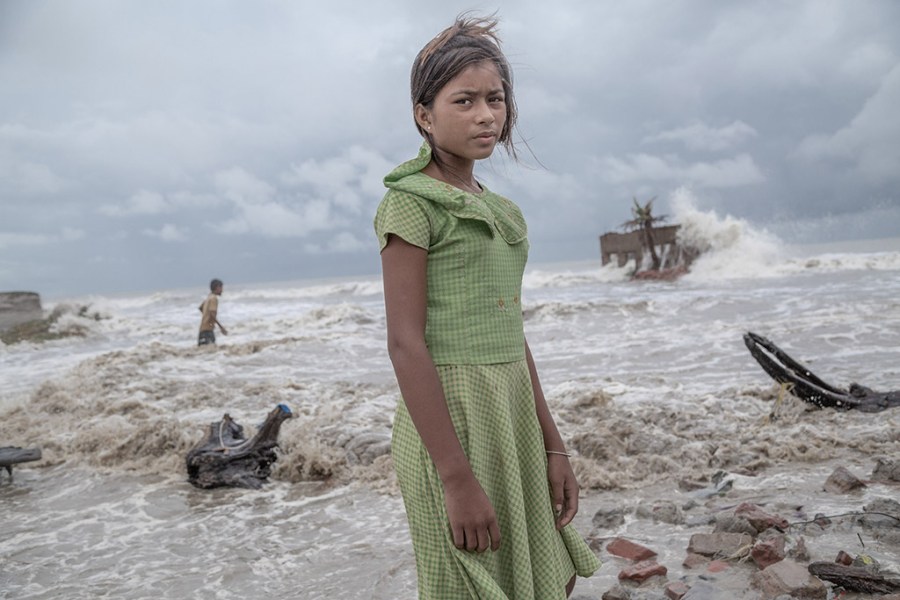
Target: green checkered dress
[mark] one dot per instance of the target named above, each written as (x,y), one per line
(477,249)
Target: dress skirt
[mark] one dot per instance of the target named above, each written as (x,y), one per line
(493,412)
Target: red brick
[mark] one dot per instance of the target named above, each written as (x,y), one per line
(642,571)
(717,566)
(768,552)
(718,544)
(630,550)
(692,560)
(844,558)
(758,518)
(790,578)
(676,590)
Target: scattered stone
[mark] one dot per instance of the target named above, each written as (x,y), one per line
(748,531)
(768,551)
(676,590)
(617,592)
(630,550)
(718,544)
(760,519)
(886,470)
(663,511)
(643,571)
(717,566)
(726,523)
(692,560)
(700,520)
(595,543)
(788,577)
(609,517)
(881,513)
(842,481)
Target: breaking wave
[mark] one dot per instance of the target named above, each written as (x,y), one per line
(732,248)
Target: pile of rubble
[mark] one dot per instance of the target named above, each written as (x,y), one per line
(770,553)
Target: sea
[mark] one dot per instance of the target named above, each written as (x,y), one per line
(651,384)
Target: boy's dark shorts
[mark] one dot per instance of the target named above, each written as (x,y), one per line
(206,337)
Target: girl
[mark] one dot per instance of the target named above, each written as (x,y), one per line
(474,444)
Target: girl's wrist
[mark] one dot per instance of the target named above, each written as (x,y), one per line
(558,453)
(454,471)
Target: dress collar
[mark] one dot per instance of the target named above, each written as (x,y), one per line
(501,214)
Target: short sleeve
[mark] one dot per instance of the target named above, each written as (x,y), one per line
(403,215)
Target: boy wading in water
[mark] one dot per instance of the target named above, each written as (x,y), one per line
(474,444)
(208,321)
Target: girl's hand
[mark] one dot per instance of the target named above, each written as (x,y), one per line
(563,489)
(472,518)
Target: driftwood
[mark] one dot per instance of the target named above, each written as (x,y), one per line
(854,579)
(805,385)
(226,458)
(13,455)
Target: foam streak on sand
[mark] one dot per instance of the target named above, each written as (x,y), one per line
(650,381)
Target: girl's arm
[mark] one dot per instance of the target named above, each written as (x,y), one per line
(563,485)
(472,519)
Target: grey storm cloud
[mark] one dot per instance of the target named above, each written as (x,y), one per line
(146,145)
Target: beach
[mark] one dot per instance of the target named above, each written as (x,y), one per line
(650,382)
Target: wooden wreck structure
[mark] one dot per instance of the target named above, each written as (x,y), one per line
(630,246)
(666,257)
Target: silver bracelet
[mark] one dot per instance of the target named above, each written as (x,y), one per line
(558,452)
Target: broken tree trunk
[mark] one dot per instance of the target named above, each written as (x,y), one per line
(226,458)
(13,455)
(854,579)
(805,385)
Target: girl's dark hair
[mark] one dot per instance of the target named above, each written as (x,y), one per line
(468,41)
(214,284)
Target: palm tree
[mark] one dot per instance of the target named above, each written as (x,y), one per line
(643,220)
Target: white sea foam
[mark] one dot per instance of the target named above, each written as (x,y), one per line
(731,248)
(586,274)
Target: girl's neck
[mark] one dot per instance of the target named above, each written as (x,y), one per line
(458,176)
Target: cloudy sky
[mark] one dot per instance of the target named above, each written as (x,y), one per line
(154,145)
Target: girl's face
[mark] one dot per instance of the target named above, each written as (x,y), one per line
(467,115)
